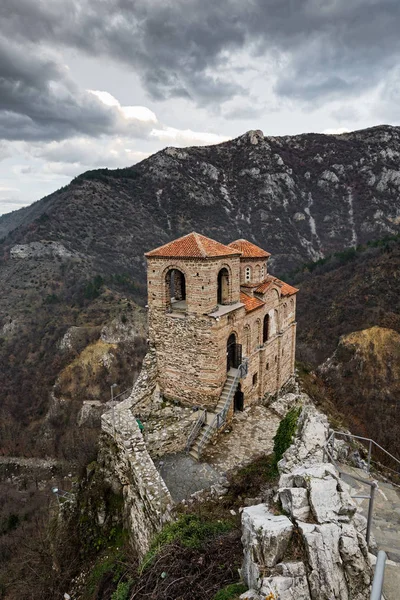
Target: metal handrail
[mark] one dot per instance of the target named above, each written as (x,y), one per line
(195,429)
(377,584)
(359,437)
(115,398)
(372,484)
(220,417)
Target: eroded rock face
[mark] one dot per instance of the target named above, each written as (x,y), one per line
(289,583)
(326,529)
(308,446)
(265,539)
(283,403)
(338,558)
(295,502)
(40,250)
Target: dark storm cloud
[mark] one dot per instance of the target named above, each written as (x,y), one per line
(320,48)
(39,101)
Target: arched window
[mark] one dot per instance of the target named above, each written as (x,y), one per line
(257,273)
(266,328)
(285,311)
(176,290)
(247,274)
(223,287)
(291,305)
(262,272)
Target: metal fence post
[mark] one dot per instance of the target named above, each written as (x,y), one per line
(377,585)
(369,456)
(370,510)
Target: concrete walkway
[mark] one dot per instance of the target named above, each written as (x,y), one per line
(385,524)
(250,435)
(183,475)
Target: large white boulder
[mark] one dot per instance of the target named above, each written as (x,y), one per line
(318,491)
(265,538)
(326,577)
(290,583)
(338,559)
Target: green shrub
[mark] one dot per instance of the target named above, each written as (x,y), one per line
(189,530)
(51,299)
(122,591)
(284,435)
(230,592)
(93,288)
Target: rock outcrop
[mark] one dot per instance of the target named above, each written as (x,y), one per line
(322,528)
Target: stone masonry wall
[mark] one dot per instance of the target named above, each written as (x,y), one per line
(201,278)
(147,501)
(258,268)
(188,358)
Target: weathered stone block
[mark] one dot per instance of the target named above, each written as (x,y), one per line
(265,539)
(295,502)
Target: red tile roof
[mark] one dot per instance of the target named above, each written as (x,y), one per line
(193,245)
(286,289)
(250,303)
(249,250)
(262,288)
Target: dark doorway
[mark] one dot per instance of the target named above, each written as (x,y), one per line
(238,399)
(223,287)
(266,328)
(233,353)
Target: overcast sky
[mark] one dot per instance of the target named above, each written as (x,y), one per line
(105,83)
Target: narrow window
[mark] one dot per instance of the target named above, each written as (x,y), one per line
(267,366)
(255,377)
(262,273)
(247,274)
(223,287)
(266,329)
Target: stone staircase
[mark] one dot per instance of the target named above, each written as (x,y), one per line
(205,430)
(385,522)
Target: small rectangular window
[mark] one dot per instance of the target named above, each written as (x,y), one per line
(255,377)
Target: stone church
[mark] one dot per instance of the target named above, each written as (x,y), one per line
(223,329)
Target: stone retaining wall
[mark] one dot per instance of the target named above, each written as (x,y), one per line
(147,501)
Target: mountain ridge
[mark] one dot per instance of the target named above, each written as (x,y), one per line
(301,197)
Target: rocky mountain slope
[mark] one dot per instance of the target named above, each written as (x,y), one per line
(349,291)
(302,197)
(349,321)
(364,374)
